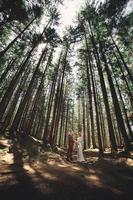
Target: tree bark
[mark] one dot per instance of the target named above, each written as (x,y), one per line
(119,118)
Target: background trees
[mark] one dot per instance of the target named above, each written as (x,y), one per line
(42,96)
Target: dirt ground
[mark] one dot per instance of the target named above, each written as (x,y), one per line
(51,177)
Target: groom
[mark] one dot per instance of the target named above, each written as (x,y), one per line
(70,145)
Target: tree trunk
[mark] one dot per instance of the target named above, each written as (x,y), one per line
(119,118)
(66,122)
(104,91)
(14,102)
(27,95)
(88,125)
(124,63)
(38,95)
(101,154)
(52,93)
(61,125)
(15,39)
(59,91)
(126,82)
(84,126)
(9,66)
(8,94)
(124,110)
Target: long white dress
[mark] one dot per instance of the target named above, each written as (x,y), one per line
(80,156)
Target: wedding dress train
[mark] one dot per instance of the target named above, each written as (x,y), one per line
(80,156)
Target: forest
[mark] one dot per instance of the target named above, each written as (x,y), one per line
(55,80)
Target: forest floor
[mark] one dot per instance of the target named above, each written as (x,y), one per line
(50,177)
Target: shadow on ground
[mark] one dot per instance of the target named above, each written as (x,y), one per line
(64,181)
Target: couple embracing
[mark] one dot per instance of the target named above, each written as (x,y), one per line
(79,144)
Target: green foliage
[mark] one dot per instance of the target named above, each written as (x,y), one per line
(52,37)
(14,10)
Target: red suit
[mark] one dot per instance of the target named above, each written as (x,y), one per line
(70,147)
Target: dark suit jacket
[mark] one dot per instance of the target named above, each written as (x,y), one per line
(70,140)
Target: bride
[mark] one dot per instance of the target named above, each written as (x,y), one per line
(79,141)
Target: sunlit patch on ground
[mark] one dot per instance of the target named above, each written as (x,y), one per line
(92,171)
(127,161)
(49,176)
(76,168)
(51,162)
(95,180)
(29,168)
(7,158)
(62,165)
